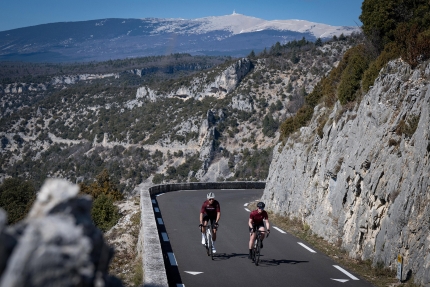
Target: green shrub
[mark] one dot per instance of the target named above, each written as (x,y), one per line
(158,178)
(300,119)
(409,126)
(391,51)
(270,126)
(104,193)
(104,213)
(16,198)
(404,23)
(357,63)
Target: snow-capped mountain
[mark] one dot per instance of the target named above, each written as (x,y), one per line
(238,24)
(105,39)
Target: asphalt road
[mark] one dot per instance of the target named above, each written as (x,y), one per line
(284,261)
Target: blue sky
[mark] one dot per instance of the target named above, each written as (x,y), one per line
(22,13)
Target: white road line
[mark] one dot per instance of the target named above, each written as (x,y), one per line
(247,210)
(246,204)
(160,194)
(340,280)
(165,237)
(156,209)
(311,250)
(172,259)
(160,221)
(346,272)
(280,230)
(193,272)
(153,201)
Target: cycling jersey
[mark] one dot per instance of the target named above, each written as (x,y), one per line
(257,218)
(210,209)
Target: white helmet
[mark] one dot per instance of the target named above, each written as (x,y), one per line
(210,195)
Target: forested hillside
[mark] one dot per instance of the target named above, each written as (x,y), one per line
(75,125)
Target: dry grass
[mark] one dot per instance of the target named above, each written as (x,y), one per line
(126,264)
(377,275)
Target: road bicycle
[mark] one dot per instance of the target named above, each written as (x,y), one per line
(208,240)
(255,253)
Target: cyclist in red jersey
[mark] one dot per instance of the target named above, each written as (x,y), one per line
(210,210)
(256,223)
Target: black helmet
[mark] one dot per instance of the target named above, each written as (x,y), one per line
(261,205)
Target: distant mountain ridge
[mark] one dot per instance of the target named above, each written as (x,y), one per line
(113,38)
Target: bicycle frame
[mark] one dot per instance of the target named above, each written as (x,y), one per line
(208,240)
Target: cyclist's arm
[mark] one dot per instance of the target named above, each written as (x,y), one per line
(201,218)
(218,216)
(250,222)
(267,224)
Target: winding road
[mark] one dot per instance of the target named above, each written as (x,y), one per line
(285,260)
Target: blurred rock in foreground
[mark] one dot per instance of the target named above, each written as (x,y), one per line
(57,244)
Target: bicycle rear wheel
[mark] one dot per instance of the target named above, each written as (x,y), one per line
(257,252)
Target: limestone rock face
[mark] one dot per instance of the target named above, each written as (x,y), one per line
(230,77)
(57,244)
(366,181)
(242,103)
(222,83)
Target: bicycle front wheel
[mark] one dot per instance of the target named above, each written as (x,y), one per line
(257,253)
(210,250)
(207,244)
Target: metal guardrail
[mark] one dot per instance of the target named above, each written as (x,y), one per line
(149,240)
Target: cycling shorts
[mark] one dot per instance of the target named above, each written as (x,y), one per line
(207,218)
(256,226)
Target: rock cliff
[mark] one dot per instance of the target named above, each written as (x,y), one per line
(217,85)
(365,183)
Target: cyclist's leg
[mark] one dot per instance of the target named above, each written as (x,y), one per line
(261,228)
(263,234)
(252,236)
(214,230)
(205,222)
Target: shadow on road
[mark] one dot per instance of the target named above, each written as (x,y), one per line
(275,262)
(225,256)
(263,262)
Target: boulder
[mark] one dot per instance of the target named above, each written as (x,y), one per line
(57,244)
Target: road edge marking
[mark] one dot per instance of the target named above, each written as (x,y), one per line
(172,259)
(279,229)
(345,272)
(308,248)
(165,237)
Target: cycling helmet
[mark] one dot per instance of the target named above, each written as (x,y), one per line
(261,205)
(210,195)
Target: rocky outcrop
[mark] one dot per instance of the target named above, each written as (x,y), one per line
(73,79)
(202,86)
(242,103)
(231,77)
(57,244)
(18,88)
(365,184)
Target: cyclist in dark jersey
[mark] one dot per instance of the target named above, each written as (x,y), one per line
(256,223)
(210,210)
